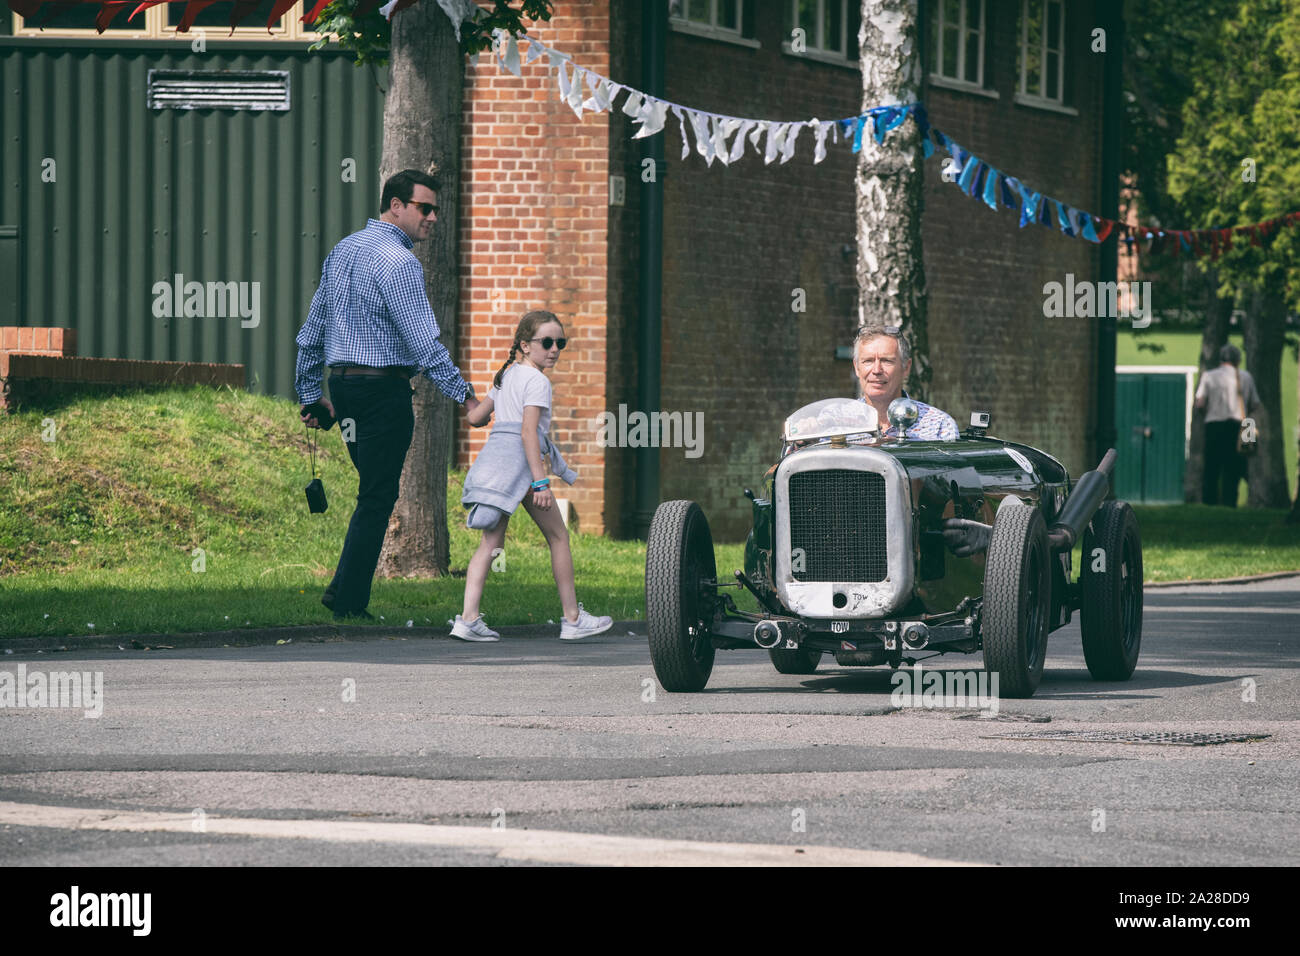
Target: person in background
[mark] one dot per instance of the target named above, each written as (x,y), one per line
(1228,395)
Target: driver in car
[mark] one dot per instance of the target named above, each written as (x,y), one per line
(882,361)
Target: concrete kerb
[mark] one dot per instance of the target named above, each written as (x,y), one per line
(300,634)
(1248,579)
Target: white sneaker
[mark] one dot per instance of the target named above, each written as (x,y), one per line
(585,626)
(474,630)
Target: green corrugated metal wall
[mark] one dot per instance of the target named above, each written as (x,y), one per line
(215,195)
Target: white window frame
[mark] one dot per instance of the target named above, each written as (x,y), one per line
(152,24)
(937,76)
(1040,98)
(713,30)
(816,45)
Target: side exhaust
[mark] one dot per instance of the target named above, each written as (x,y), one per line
(1085,498)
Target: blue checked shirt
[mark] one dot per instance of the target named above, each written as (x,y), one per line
(370,309)
(932,424)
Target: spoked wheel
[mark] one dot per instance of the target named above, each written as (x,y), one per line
(679,593)
(1017,601)
(1111,615)
(798,661)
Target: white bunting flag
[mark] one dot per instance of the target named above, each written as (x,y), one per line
(686,143)
(738,144)
(775,141)
(793,131)
(821,129)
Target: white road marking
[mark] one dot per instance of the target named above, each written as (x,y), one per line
(543,846)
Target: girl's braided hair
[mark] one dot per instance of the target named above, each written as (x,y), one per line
(528,325)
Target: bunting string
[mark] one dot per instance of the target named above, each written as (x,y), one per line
(718,136)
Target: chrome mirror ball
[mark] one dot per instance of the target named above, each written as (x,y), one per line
(903,413)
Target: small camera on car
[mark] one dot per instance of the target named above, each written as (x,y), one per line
(979,419)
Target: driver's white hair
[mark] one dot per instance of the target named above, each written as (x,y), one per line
(868,332)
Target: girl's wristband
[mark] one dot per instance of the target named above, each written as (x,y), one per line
(540,484)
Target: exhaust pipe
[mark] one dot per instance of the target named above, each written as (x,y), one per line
(1085,498)
(767,634)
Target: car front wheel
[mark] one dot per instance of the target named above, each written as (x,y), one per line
(680,579)
(1017,599)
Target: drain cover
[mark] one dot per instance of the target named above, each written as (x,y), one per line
(1130,737)
(1006,718)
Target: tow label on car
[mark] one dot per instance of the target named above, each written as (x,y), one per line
(839,627)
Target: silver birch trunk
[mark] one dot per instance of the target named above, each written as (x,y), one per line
(890,271)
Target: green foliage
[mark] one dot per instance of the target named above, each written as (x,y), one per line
(1242,115)
(369,37)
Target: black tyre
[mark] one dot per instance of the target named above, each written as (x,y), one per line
(1017,599)
(1111,613)
(678,602)
(799,661)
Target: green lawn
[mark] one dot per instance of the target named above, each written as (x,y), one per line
(1184,347)
(101,527)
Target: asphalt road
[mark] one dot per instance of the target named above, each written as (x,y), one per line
(534,751)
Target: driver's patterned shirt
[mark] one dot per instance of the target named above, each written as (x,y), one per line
(933,424)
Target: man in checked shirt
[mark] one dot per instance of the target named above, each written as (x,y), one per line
(882,361)
(370,321)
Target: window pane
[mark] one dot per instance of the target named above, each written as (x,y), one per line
(218,15)
(81,16)
(1053,26)
(855,21)
(698,10)
(831,12)
(952,13)
(951,43)
(1031,49)
(727,14)
(1049,75)
(972,14)
(972,56)
(808,20)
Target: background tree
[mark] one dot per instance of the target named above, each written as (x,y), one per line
(1234,164)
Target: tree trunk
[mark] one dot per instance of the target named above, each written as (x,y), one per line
(890,272)
(1293,516)
(1265,339)
(422,116)
(1214,334)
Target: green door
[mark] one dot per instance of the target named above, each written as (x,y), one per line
(1151,425)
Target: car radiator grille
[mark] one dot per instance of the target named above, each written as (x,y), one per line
(837,526)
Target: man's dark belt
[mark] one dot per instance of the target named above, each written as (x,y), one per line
(396,371)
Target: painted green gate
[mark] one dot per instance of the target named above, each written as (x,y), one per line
(1152,416)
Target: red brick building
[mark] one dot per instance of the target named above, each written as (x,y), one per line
(1017,84)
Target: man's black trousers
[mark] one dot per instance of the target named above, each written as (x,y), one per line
(1224,468)
(379,407)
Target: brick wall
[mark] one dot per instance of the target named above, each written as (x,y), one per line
(534,235)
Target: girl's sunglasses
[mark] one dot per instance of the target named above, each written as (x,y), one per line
(548,342)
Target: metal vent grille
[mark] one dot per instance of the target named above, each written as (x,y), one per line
(1169,738)
(219,90)
(837,522)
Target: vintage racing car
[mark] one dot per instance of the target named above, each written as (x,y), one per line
(875,549)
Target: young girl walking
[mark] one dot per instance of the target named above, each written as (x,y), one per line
(512,468)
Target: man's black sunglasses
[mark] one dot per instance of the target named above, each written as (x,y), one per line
(548,342)
(424,207)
